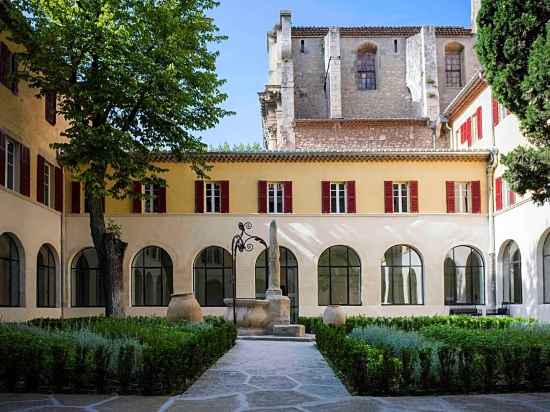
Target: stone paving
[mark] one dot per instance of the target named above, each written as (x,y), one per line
(272,376)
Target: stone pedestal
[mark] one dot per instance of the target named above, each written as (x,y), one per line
(289,330)
(251,313)
(279,307)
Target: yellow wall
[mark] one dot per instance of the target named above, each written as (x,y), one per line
(22,118)
(307,176)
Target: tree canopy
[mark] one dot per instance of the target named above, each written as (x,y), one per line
(513,46)
(132,78)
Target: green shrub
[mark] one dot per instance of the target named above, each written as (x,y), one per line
(128,355)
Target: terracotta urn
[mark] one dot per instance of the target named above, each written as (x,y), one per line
(184,306)
(334,315)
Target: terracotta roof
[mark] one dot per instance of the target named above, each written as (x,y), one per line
(465,96)
(379,31)
(335,155)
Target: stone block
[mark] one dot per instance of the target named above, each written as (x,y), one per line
(289,330)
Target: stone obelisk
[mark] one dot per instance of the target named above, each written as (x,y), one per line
(279,305)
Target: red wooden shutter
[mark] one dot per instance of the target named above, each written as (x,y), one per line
(413,186)
(288,197)
(325,197)
(25,171)
(59,189)
(262,196)
(351,196)
(2,158)
(50,106)
(199,196)
(161,202)
(75,197)
(469,126)
(450,187)
(14,86)
(40,179)
(4,63)
(462,133)
(479,123)
(495,112)
(136,201)
(476,197)
(224,187)
(388,196)
(498,193)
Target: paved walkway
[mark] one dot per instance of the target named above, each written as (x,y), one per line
(272,376)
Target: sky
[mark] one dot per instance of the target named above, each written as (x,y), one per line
(243,57)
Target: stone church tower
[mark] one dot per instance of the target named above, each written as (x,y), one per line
(358,88)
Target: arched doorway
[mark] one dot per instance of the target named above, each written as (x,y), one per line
(289,278)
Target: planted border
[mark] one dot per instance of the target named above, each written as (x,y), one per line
(148,356)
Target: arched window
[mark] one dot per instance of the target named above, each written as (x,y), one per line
(401,276)
(213,270)
(464,277)
(152,277)
(453,64)
(289,278)
(87,282)
(10,271)
(366,67)
(339,277)
(546,269)
(45,278)
(511,274)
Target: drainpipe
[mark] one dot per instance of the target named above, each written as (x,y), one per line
(445,120)
(492,270)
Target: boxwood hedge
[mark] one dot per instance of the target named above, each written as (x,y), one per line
(106,355)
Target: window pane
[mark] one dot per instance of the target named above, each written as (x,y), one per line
(339,291)
(547,279)
(324,286)
(338,256)
(354,286)
(200,282)
(214,287)
(261,282)
(138,287)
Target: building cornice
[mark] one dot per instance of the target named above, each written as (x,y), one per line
(332,156)
(364,122)
(313,31)
(465,97)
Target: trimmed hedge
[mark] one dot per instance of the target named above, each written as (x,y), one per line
(415,323)
(106,355)
(441,358)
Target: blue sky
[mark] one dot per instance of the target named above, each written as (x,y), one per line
(243,57)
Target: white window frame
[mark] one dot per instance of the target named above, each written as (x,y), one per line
(463,197)
(401,190)
(48,185)
(336,188)
(215,190)
(13,165)
(505,194)
(149,200)
(272,189)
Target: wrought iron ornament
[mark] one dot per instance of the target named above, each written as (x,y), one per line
(242,242)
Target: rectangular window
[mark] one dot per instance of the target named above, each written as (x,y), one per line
(395,46)
(401,197)
(149,201)
(48,184)
(11,164)
(275,198)
(302,46)
(463,197)
(338,198)
(453,69)
(213,197)
(367,71)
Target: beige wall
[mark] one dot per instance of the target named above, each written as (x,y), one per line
(307,236)
(307,176)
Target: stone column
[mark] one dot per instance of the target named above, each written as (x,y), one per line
(279,305)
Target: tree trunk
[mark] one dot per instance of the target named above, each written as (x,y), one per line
(110,253)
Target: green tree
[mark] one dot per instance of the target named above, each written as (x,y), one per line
(132,77)
(237,147)
(513,46)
